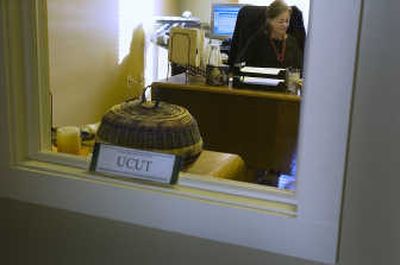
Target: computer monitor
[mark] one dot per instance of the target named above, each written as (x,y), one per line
(223,19)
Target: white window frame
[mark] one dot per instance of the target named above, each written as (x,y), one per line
(304,224)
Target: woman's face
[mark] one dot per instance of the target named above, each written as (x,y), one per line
(280,24)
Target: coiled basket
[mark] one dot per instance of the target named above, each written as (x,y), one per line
(154,126)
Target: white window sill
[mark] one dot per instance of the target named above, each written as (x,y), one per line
(227,192)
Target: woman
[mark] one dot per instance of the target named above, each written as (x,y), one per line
(273,46)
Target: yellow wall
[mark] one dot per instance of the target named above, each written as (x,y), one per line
(167,7)
(85,78)
(83,56)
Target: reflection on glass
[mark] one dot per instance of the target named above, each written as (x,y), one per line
(247,130)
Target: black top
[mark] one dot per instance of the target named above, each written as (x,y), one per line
(260,52)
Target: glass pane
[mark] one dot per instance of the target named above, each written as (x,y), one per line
(104,52)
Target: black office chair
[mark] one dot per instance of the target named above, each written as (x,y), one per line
(251,20)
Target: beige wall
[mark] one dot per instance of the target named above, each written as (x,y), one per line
(201,9)
(167,7)
(85,78)
(37,235)
(83,56)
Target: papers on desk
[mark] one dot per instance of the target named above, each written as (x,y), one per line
(261,70)
(262,81)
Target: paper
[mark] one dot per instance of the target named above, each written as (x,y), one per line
(262,81)
(261,70)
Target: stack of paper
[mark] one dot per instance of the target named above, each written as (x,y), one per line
(262,81)
(261,70)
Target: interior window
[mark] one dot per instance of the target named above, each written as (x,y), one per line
(99,61)
(313,211)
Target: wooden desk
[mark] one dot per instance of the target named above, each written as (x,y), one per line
(259,126)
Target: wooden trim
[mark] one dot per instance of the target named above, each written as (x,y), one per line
(39,116)
(13,79)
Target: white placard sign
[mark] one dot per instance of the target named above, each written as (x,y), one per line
(133,163)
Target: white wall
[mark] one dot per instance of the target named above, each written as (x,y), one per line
(38,235)
(371,214)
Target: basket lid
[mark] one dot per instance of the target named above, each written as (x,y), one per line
(154,125)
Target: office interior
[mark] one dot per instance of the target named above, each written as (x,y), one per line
(249,133)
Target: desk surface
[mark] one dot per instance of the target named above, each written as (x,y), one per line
(260,126)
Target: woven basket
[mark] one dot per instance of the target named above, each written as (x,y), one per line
(154,126)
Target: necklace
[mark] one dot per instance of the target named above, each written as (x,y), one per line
(280,55)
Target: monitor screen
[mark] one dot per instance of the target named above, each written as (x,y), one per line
(223,19)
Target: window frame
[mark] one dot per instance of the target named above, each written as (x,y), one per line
(304,224)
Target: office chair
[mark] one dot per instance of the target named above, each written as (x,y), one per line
(251,20)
